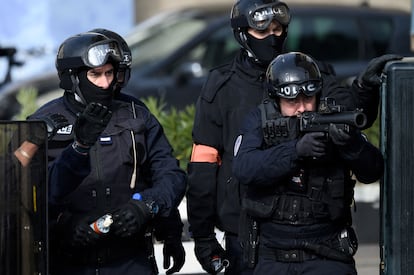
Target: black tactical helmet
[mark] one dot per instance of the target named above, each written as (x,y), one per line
(89,50)
(292,73)
(257,14)
(124,68)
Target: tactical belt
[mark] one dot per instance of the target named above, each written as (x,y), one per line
(286,256)
(299,210)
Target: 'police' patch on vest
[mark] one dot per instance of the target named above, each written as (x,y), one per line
(237,144)
(65,130)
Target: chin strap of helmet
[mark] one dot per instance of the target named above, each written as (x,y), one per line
(75,86)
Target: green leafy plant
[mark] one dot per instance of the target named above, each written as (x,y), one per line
(27,100)
(373,133)
(177,124)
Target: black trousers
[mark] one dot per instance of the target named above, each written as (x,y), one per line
(316,266)
(234,255)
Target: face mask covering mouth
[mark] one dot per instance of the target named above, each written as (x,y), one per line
(93,93)
(266,49)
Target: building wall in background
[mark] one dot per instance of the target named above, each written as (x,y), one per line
(145,9)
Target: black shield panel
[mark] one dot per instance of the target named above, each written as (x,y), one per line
(23,200)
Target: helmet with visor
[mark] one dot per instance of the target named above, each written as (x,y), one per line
(89,50)
(293,73)
(124,66)
(258,15)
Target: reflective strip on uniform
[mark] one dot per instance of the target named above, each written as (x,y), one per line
(204,153)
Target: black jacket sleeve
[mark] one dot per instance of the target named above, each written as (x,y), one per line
(168,227)
(168,179)
(368,165)
(368,101)
(254,165)
(201,198)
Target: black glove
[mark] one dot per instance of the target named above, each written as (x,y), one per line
(207,249)
(54,122)
(75,230)
(83,234)
(311,145)
(370,77)
(91,122)
(130,218)
(349,144)
(340,137)
(173,248)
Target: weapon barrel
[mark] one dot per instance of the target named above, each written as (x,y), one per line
(312,121)
(356,119)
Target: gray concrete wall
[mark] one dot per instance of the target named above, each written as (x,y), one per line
(146,8)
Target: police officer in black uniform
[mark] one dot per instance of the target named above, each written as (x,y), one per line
(231,91)
(113,159)
(299,184)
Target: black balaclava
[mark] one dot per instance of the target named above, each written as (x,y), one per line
(266,49)
(93,93)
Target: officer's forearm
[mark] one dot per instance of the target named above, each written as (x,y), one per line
(201,197)
(25,152)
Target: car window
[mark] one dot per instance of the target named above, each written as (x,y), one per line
(166,40)
(220,48)
(217,49)
(379,31)
(324,37)
(214,50)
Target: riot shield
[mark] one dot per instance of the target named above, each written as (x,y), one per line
(23,200)
(397,189)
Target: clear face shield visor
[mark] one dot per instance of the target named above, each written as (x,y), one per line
(291,90)
(261,17)
(97,54)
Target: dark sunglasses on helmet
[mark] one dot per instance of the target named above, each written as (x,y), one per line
(261,17)
(291,90)
(98,54)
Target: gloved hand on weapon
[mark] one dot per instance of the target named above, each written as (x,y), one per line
(350,144)
(207,250)
(311,145)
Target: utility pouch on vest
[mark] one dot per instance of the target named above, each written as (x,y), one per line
(276,128)
(259,209)
(348,241)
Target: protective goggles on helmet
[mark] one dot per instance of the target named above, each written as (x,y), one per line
(291,90)
(261,17)
(97,54)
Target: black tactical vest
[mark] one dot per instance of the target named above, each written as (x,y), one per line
(320,191)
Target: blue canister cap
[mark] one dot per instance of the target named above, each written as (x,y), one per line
(137,196)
